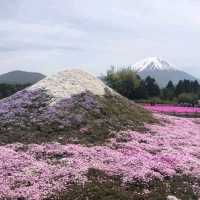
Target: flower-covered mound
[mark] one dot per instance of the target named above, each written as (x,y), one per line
(45,171)
(34,116)
(172,109)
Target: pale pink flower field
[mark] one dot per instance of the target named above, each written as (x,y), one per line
(38,171)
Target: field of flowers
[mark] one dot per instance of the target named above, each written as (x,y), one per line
(165,150)
(172,109)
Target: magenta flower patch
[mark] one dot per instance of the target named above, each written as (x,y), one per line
(172,109)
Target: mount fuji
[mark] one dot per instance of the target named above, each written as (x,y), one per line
(161,71)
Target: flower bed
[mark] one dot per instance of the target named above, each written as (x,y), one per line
(37,172)
(176,110)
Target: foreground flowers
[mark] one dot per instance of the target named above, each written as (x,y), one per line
(40,171)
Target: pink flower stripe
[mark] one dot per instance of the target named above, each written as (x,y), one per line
(172,109)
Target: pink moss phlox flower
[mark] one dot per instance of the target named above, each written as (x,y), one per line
(36,171)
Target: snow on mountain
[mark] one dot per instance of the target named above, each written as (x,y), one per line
(153,63)
(161,71)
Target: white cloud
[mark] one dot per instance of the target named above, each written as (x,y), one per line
(95,34)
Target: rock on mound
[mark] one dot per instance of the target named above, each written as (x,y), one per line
(72,106)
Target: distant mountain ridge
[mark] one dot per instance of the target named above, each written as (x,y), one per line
(161,71)
(21,77)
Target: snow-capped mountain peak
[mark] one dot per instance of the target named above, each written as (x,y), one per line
(153,63)
(161,71)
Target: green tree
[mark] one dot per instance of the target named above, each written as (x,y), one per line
(195,87)
(152,87)
(179,88)
(141,92)
(168,91)
(187,86)
(125,81)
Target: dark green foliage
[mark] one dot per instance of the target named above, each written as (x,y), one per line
(169,91)
(141,92)
(185,91)
(152,87)
(9,89)
(124,81)
(195,86)
(187,86)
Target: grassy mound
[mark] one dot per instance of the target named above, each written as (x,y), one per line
(29,117)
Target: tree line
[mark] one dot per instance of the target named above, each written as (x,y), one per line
(9,89)
(129,84)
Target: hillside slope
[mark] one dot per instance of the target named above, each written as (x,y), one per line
(21,77)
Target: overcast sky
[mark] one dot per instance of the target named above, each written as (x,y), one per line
(50,35)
